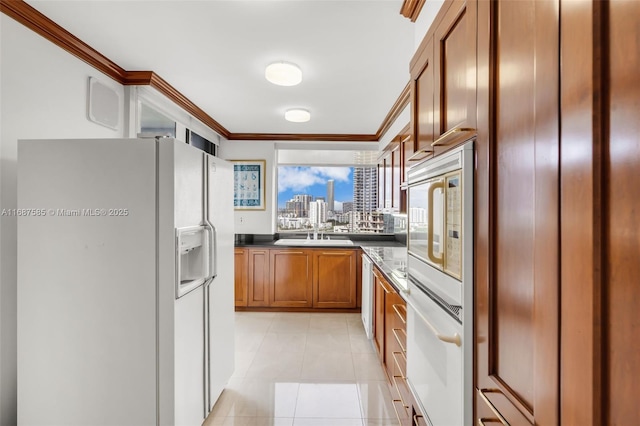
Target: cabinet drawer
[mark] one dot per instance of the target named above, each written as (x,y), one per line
(402,387)
(401,363)
(401,337)
(401,312)
(401,412)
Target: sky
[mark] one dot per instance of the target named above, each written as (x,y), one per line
(293,180)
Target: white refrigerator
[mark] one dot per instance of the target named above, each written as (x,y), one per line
(125,282)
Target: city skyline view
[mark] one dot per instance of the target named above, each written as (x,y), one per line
(299,180)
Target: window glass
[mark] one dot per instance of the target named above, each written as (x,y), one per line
(330,199)
(151,121)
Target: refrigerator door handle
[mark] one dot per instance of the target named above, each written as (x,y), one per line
(213,259)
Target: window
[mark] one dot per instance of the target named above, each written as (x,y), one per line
(332,199)
(154,122)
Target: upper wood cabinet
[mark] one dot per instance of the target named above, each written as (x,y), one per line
(455,70)
(241,270)
(390,177)
(382,169)
(334,278)
(423,101)
(444,75)
(290,285)
(396,158)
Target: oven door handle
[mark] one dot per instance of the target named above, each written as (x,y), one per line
(432,189)
(455,339)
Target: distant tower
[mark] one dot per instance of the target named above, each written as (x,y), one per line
(317,212)
(365,193)
(330,194)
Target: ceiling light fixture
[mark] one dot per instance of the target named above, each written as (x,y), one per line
(283,74)
(297,115)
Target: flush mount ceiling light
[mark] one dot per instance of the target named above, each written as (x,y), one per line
(297,115)
(283,74)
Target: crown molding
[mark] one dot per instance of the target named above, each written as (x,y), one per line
(310,137)
(411,9)
(31,18)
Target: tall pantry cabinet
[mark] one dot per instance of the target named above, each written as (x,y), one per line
(517,213)
(550,89)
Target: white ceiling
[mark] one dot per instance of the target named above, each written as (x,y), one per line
(354,55)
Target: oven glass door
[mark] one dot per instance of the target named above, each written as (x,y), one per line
(453,232)
(426,221)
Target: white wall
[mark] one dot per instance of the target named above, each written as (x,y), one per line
(43,95)
(255,221)
(425,19)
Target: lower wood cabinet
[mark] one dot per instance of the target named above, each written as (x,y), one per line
(258,281)
(390,338)
(334,276)
(241,267)
(380,290)
(293,278)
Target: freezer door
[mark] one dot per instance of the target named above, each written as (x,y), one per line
(219,295)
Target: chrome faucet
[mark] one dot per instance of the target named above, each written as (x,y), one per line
(315,231)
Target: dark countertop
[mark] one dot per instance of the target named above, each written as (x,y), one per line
(358,241)
(392,262)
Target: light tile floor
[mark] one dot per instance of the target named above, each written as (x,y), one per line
(304,369)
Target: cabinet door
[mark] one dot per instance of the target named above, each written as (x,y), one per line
(381,182)
(423,103)
(395,178)
(291,283)
(241,268)
(380,289)
(517,216)
(455,71)
(395,358)
(388,181)
(258,282)
(334,278)
(406,151)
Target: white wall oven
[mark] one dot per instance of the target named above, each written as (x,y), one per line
(440,299)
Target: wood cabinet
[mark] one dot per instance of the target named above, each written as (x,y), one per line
(381,182)
(241,270)
(395,176)
(423,102)
(334,276)
(258,280)
(454,47)
(292,278)
(390,338)
(600,251)
(517,214)
(443,73)
(380,289)
(290,285)
(389,177)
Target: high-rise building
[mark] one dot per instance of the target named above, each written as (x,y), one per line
(317,212)
(347,206)
(330,195)
(365,189)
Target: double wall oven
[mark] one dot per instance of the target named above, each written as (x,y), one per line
(440,298)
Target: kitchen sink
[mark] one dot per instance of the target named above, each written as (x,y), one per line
(310,242)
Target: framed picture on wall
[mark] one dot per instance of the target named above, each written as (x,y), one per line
(249,184)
